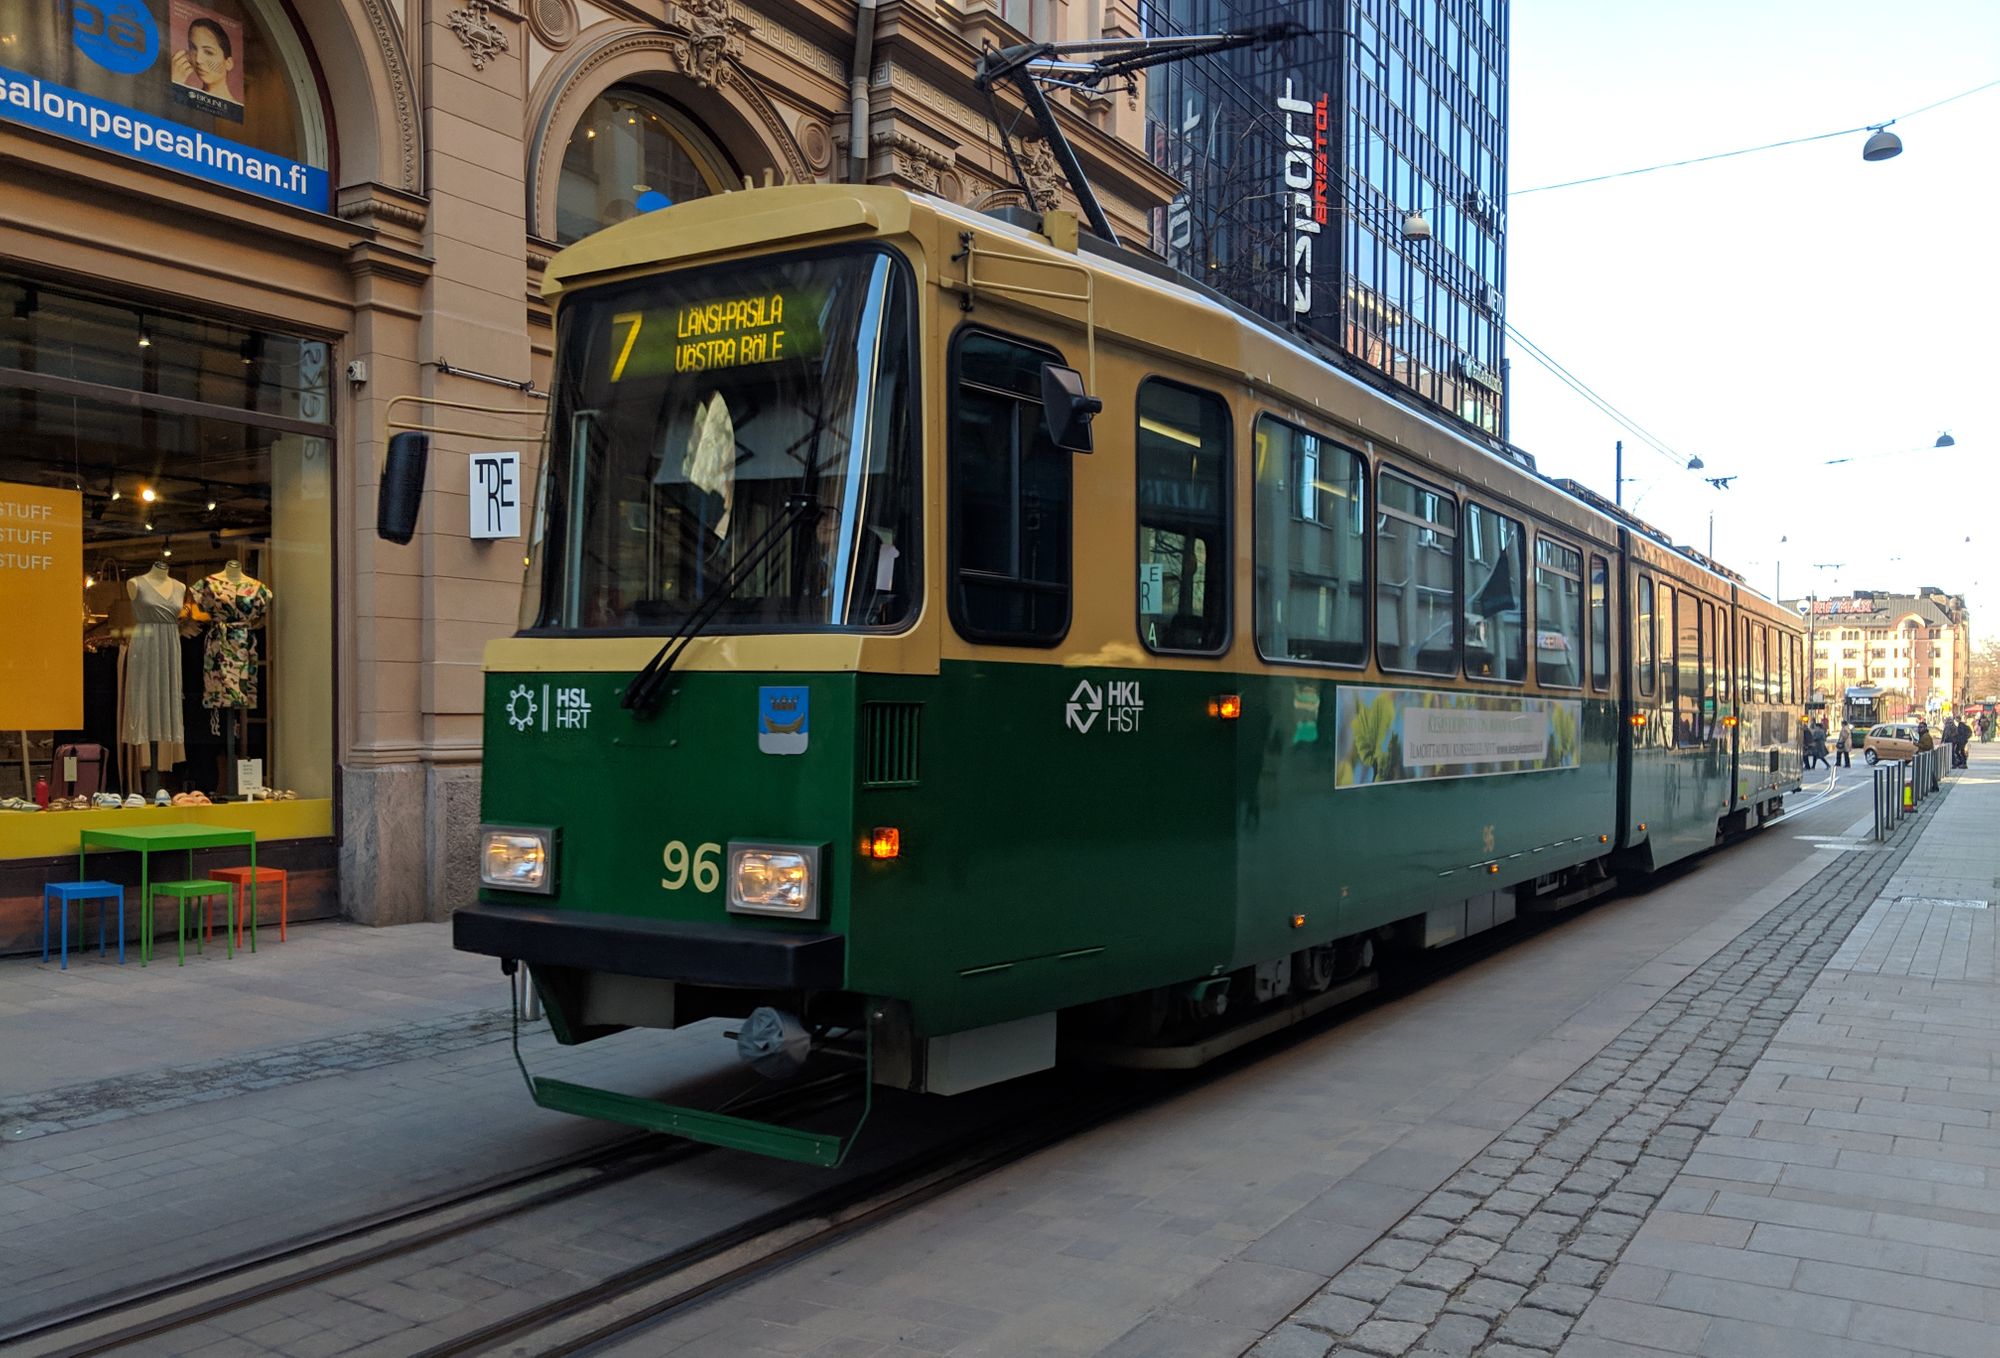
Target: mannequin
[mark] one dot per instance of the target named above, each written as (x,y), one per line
(235,602)
(153,667)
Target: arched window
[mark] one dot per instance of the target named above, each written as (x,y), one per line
(632,152)
(233,71)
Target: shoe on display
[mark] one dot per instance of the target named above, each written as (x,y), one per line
(106,801)
(161,798)
(134,800)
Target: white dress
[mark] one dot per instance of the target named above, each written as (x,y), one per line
(153,666)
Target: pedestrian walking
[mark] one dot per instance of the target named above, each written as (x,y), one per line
(1816,746)
(1961,736)
(1842,745)
(1924,739)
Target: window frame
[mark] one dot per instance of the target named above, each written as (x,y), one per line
(1582,609)
(1367,538)
(1466,509)
(953,379)
(1666,621)
(1222,563)
(1599,611)
(1380,508)
(1645,661)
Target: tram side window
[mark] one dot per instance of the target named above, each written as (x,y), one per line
(1416,578)
(1762,657)
(1600,624)
(1746,689)
(1646,635)
(1714,679)
(1669,660)
(1722,663)
(1558,614)
(1496,597)
(1687,712)
(1311,539)
(1010,497)
(1183,457)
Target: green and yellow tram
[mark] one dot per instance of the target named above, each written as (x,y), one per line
(952,641)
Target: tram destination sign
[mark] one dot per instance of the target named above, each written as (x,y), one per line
(709,334)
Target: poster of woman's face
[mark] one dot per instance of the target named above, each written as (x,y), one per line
(206,64)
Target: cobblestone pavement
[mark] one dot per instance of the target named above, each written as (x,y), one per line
(1509,1252)
(25,1116)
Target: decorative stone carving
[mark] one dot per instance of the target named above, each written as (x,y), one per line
(1044,176)
(396,64)
(809,55)
(910,160)
(815,144)
(706,33)
(553,21)
(377,209)
(481,36)
(950,187)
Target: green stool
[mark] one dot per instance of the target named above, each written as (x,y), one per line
(201,893)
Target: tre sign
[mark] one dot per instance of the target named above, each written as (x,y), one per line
(494,495)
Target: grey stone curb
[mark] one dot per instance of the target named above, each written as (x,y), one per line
(1505,1256)
(25,1116)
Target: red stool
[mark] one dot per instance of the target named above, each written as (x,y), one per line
(239,878)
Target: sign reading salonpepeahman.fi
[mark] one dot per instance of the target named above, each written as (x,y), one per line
(63,112)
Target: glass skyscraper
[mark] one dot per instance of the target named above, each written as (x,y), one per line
(1304,162)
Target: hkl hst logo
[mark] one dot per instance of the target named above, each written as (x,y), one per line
(1118,702)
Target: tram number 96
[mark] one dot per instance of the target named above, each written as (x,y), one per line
(702,867)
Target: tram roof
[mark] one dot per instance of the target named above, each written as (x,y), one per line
(798,214)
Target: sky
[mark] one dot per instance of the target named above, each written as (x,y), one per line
(1774,311)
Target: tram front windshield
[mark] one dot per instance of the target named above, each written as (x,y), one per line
(742,430)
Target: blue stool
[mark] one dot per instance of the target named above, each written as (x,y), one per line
(83,893)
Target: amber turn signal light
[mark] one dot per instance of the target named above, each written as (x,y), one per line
(1226,706)
(1298,921)
(884,841)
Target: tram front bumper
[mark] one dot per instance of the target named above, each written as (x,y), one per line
(673,950)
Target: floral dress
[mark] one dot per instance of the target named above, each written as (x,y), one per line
(229,657)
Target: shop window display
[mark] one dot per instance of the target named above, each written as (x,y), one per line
(229,67)
(200,451)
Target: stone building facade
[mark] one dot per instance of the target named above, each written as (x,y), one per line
(1917,648)
(238,233)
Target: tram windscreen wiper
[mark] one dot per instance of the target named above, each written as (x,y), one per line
(643,693)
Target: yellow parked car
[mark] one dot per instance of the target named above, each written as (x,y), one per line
(1890,740)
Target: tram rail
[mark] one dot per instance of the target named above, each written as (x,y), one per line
(175,1303)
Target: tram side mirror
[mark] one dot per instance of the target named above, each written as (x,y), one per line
(401,493)
(1067,407)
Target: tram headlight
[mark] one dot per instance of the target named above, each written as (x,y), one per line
(774,879)
(517,858)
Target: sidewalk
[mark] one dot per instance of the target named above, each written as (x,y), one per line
(1794,1152)
(163,1119)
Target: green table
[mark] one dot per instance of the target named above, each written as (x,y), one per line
(146,840)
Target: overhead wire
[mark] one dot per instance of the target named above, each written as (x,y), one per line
(1752,150)
(1569,379)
